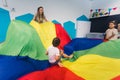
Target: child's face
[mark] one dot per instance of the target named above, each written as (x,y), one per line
(111,25)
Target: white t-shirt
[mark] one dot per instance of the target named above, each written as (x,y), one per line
(52,53)
(110,32)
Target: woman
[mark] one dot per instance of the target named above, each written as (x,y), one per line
(40,17)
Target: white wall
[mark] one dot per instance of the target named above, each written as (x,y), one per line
(105,4)
(83,28)
(61,10)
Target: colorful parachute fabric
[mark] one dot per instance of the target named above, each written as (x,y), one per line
(13,67)
(90,64)
(22,52)
(47,31)
(95,67)
(24,46)
(78,44)
(62,34)
(103,58)
(22,55)
(22,40)
(52,73)
(108,49)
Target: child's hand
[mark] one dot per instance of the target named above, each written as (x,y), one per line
(71,56)
(46,53)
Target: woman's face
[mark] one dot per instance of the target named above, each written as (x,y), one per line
(41,10)
(111,25)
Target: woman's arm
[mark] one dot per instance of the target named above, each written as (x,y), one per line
(46,19)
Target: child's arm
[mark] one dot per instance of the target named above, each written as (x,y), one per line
(115,32)
(65,55)
(57,58)
(110,36)
(106,34)
(46,53)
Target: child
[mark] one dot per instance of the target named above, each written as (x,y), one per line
(54,54)
(119,27)
(111,33)
(119,30)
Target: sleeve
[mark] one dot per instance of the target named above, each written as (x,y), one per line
(106,31)
(115,32)
(57,52)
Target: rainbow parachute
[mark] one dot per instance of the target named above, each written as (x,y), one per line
(22,55)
